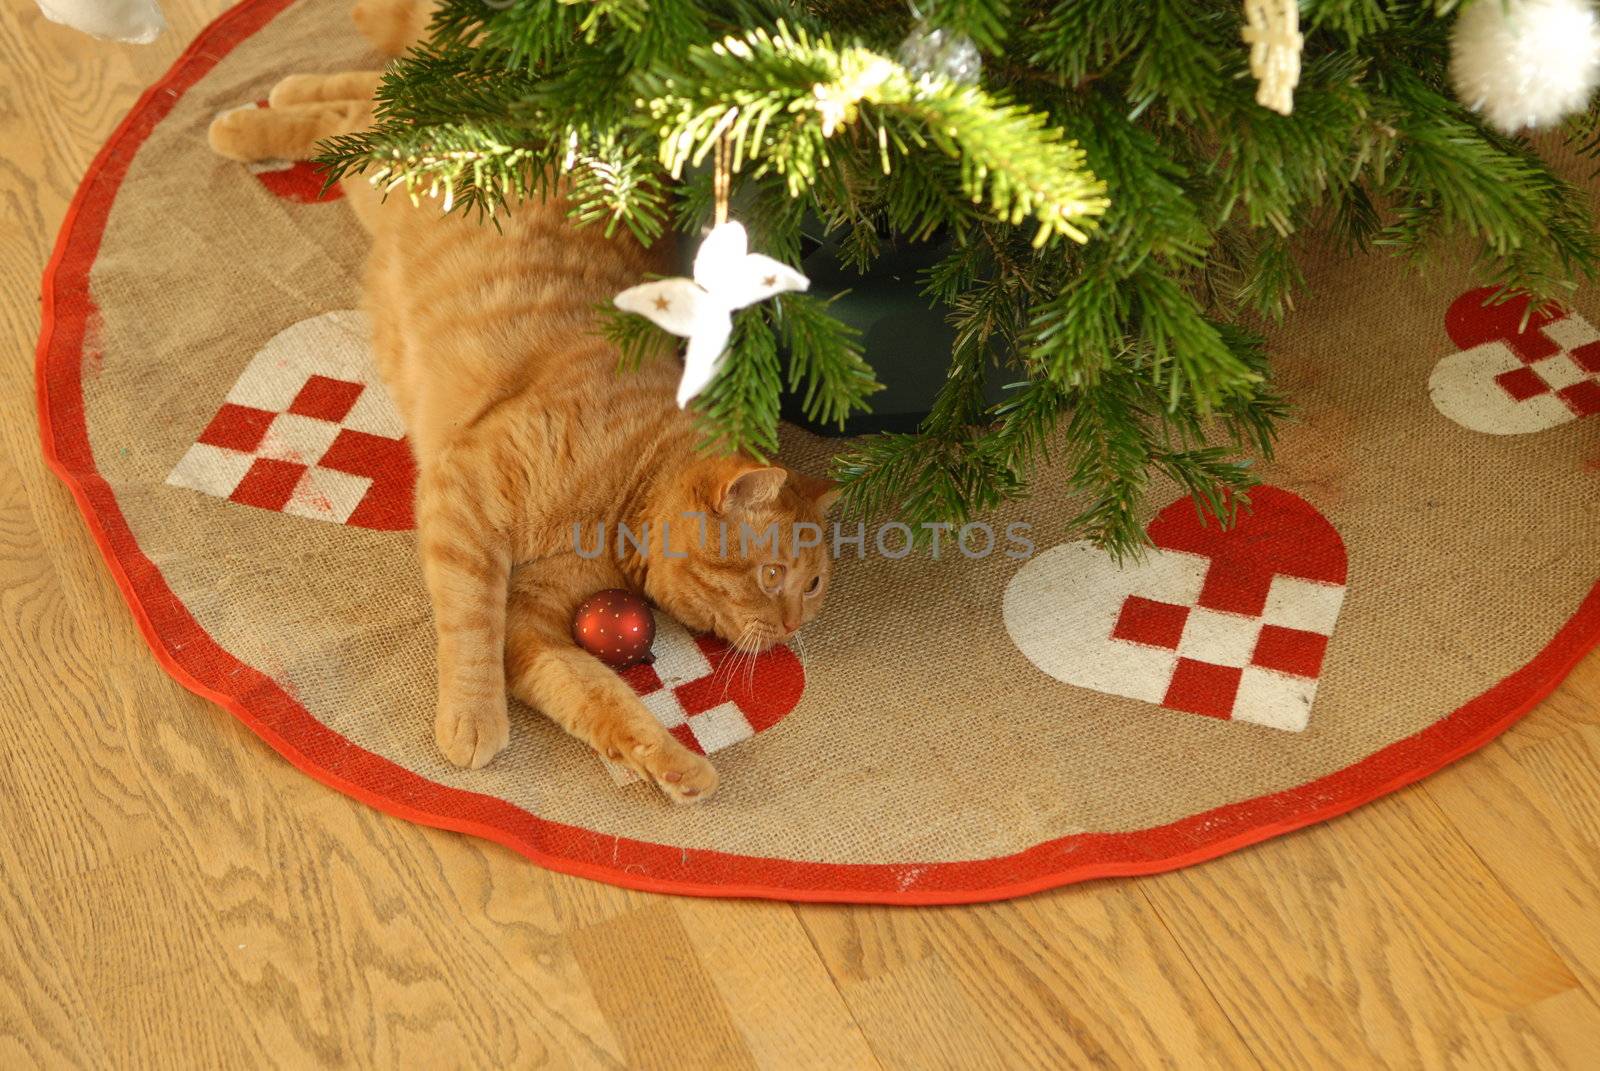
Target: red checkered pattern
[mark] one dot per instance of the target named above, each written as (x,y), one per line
(1249,642)
(308,430)
(1229,624)
(708,699)
(1559,350)
(1214,648)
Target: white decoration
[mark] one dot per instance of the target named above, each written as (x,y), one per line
(1272,30)
(727,277)
(1525,63)
(135,22)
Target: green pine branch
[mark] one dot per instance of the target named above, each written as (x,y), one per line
(778,96)
(1127,127)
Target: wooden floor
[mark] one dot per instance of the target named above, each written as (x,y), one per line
(174,894)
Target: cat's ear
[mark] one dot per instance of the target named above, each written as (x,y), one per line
(822,493)
(745,487)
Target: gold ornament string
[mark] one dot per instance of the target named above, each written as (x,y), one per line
(721,180)
(1272,30)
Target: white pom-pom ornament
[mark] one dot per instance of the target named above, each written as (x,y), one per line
(1525,63)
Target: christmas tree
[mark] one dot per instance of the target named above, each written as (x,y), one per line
(1117,202)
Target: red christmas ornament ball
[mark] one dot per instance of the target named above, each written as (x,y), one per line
(615,626)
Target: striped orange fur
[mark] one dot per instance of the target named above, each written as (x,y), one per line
(522,427)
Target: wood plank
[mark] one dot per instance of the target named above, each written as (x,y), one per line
(1377,939)
(1086,975)
(918,1019)
(1532,815)
(648,978)
(45,1017)
(1560,1032)
(772,981)
(158,1023)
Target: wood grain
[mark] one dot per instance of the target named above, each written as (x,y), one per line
(1376,941)
(1084,976)
(172,894)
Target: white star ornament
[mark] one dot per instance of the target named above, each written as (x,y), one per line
(727,277)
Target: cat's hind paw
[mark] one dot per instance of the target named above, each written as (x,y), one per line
(350,91)
(235,134)
(297,89)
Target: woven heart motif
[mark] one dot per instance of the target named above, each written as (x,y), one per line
(307,429)
(706,696)
(1516,373)
(1228,624)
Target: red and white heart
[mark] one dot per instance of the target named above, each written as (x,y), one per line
(1228,624)
(308,430)
(300,181)
(706,696)
(1511,377)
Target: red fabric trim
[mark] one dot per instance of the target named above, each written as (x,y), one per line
(199,664)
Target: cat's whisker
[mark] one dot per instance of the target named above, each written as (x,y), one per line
(725,665)
(767,638)
(730,665)
(758,639)
(757,643)
(731,661)
(750,659)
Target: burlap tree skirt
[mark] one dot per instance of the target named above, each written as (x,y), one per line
(1418,571)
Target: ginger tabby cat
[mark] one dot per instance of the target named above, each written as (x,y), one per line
(522,426)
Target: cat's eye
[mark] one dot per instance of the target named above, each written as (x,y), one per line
(815,585)
(771,578)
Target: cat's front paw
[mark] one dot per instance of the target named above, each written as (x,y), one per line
(684,776)
(471,735)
